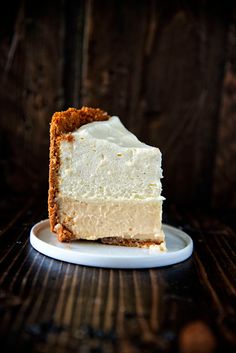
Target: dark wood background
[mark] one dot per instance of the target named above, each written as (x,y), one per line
(167,68)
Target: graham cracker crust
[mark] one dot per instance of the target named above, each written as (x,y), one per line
(62,125)
(134,243)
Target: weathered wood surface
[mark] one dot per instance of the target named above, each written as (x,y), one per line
(51,306)
(225,173)
(166,69)
(31,88)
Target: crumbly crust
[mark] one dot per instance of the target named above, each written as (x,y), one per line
(132,242)
(62,124)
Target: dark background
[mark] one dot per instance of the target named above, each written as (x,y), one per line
(167,68)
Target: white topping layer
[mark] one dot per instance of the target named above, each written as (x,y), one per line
(106,161)
(112,131)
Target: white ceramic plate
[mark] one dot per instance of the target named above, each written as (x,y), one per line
(179,245)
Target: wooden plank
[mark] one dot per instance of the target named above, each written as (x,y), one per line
(11,66)
(225,168)
(32,75)
(43,51)
(73,52)
(114,38)
(184,70)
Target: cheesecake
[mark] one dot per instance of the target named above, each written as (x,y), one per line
(104,184)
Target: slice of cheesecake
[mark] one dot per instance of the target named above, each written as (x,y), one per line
(104,183)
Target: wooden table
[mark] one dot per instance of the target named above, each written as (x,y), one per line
(51,306)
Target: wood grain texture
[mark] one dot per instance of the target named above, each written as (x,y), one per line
(182,114)
(74,27)
(114,61)
(225,169)
(47,305)
(31,91)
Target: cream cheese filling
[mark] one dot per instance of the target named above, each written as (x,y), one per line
(94,220)
(109,184)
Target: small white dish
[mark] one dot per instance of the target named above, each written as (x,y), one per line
(89,253)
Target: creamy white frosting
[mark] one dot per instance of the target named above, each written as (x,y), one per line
(106,161)
(112,131)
